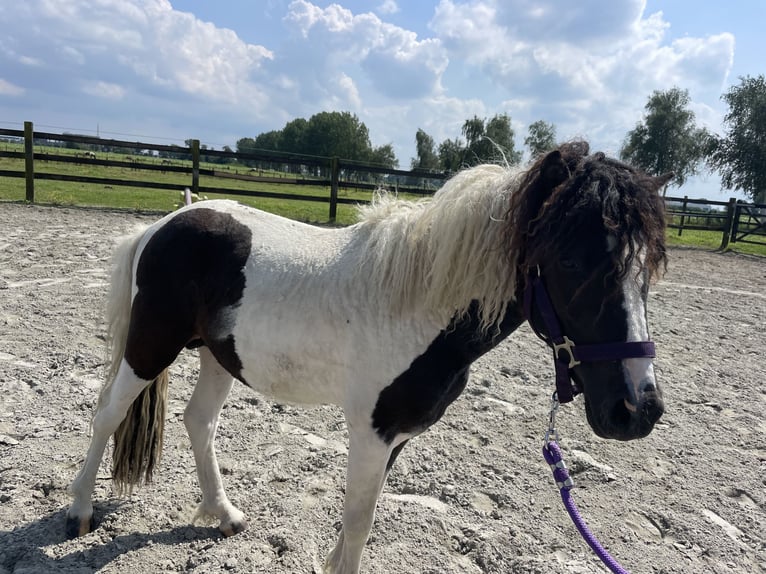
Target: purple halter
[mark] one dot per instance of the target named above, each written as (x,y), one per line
(566,354)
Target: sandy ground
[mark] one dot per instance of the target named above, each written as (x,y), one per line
(471,495)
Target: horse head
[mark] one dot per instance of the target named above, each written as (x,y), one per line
(589,230)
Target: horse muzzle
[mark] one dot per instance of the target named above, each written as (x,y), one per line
(627,418)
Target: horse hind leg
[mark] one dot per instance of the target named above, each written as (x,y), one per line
(201,421)
(113,405)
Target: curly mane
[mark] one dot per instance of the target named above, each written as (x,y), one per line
(487,224)
(582,191)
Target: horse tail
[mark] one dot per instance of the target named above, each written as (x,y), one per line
(138,438)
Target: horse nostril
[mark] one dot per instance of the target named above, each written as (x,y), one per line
(622,414)
(647,386)
(653,409)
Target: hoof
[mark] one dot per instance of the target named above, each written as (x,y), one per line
(76,527)
(233,528)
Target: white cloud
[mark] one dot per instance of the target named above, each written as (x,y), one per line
(388,7)
(146,43)
(586,66)
(104,90)
(9,89)
(589,67)
(29,61)
(347,87)
(396,63)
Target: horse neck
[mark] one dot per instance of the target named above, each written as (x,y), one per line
(448,252)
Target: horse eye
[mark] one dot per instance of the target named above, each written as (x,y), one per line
(570,264)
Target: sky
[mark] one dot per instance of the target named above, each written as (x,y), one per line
(167,70)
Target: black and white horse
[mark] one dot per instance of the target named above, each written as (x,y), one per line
(383,318)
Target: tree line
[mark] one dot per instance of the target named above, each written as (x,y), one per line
(342,134)
(667,138)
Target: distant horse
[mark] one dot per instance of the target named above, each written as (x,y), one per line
(382,318)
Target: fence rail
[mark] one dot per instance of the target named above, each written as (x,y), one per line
(317,172)
(735,220)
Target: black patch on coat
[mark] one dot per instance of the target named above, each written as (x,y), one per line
(190,271)
(419,396)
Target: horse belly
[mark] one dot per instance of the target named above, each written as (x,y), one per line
(303,366)
(305,356)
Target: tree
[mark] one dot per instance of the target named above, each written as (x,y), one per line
(294,136)
(426,150)
(338,134)
(451,154)
(271,140)
(500,134)
(740,155)
(489,141)
(328,134)
(384,155)
(541,138)
(245,145)
(667,139)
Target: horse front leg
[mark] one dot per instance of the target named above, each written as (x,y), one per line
(369,459)
(201,421)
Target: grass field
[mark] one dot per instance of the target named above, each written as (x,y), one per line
(137,198)
(711,240)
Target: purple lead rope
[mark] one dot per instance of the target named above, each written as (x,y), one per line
(553,457)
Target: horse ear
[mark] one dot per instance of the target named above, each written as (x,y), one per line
(662,180)
(541,181)
(553,171)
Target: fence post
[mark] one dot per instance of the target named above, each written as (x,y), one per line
(681,227)
(29,160)
(195,166)
(730,225)
(334,178)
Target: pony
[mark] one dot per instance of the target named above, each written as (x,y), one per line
(383,318)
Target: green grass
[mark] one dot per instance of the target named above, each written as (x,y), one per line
(137,198)
(711,240)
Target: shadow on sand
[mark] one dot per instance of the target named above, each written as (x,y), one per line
(23,549)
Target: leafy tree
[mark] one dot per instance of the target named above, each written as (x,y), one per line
(327,134)
(451,154)
(294,136)
(426,150)
(541,138)
(338,134)
(500,134)
(489,141)
(245,145)
(667,139)
(384,155)
(740,155)
(473,132)
(271,141)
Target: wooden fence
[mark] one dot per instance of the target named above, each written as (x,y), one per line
(737,221)
(310,172)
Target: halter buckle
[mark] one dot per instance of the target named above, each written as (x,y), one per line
(568,346)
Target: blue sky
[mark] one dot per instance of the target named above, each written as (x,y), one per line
(161,70)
